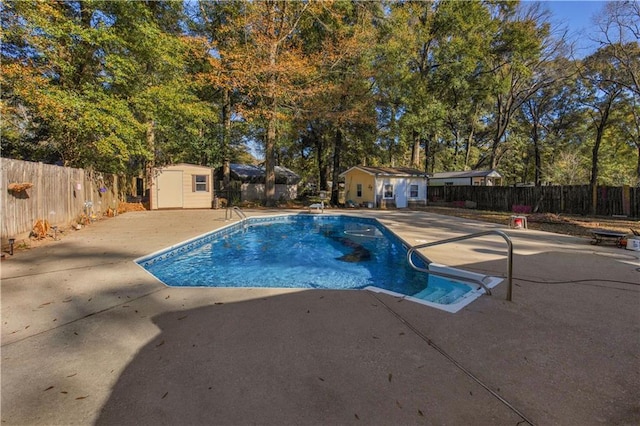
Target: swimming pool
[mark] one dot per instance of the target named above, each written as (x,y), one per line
(306,251)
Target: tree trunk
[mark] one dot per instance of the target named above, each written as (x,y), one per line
(321,158)
(456,148)
(593,182)
(535,136)
(594,169)
(336,167)
(226,137)
(467,153)
(638,166)
(270,142)
(428,161)
(502,121)
(269,162)
(151,146)
(415,150)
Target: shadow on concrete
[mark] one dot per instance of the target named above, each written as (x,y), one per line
(313,357)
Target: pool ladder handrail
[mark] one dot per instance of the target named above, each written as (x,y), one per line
(468,237)
(228,214)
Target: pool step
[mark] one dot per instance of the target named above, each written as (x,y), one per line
(439,295)
(431,294)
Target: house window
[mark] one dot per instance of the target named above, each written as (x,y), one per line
(413,191)
(200,183)
(388,190)
(359,190)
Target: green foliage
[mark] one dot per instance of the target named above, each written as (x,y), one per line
(320,87)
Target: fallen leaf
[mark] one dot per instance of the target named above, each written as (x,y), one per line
(398,404)
(82,397)
(71,375)
(181,318)
(402,333)
(167,297)
(218,303)
(358,418)
(160,344)
(321,379)
(90,299)
(375,337)
(45,304)
(421,413)
(165,394)
(390,376)
(27,327)
(125,306)
(64,392)
(49,388)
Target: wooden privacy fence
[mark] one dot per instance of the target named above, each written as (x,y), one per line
(623,201)
(60,195)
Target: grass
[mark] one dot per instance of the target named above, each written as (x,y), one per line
(559,224)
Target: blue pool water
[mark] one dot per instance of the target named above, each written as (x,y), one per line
(301,251)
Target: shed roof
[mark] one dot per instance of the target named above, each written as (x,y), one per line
(180,166)
(388,171)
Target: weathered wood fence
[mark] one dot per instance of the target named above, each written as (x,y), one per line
(624,201)
(60,195)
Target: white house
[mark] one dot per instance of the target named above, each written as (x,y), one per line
(384,187)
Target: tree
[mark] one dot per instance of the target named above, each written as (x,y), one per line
(600,92)
(520,50)
(103,84)
(547,111)
(53,73)
(619,32)
(267,65)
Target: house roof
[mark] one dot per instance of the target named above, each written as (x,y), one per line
(466,174)
(256,174)
(388,171)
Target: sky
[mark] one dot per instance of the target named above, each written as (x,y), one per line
(577,16)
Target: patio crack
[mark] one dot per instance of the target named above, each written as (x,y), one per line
(457,364)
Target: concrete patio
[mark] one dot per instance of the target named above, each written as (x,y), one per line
(89,337)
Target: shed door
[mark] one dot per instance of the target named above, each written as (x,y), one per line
(401,193)
(169,189)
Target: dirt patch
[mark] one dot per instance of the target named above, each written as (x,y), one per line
(131,207)
(559,224)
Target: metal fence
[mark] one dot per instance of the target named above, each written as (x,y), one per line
(60,195)
(610,201)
